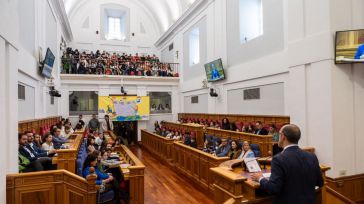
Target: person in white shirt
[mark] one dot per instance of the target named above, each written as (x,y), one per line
(247,152)
(68,130)
(107,124)
(48,145)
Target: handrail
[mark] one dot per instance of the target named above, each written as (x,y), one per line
(339,196)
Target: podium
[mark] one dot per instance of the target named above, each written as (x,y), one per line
(233,184)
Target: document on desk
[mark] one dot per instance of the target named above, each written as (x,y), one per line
(252,165)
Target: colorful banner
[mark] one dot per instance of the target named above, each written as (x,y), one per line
(124,108)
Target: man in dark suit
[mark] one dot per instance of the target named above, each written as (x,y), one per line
(259,129)
(36,162)
(295,173)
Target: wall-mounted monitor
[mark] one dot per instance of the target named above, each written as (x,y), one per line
(349,47)
(48,62)
(215,71)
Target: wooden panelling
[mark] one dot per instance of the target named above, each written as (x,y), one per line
(37,124)
(160,146)
(50,187)
(235,184)
(190,162)
(264,141)
(198,129)
(66,158)
(334,197)
(351,187)
(265,119)
(135,175)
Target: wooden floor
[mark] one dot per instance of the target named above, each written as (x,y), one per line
(162,185)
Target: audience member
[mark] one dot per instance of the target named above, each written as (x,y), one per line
(114,64)
(247,152)
(104,180)
(223,149)
(225,124)
(48,144)
(94,123)
(34,146)
(37,162)
(259,129)
(68,131)
(235,150)
(80,123)
(58,139)
(107,124)
(90,144)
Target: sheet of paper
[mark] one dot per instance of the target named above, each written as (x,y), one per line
(252,165)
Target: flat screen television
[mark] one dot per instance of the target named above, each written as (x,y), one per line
(48,64)
(214,71)
(349,46)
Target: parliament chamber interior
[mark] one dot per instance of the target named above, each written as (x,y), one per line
(181,101)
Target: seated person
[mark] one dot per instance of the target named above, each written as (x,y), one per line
(67,131)
(260,130)
(247,152)
(235,150)
(58,139)
(104,180)
(177,136)
(187,139)
(223,149)
(170,135)
(48,144)
(193,142)
(37,162)
(273,131)
(225,124)
(80,123)
(90,144)
(209,146)
(24,164)
(33,145)
(360,52)
(37,141)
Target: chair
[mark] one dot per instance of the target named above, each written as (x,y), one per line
(255,148)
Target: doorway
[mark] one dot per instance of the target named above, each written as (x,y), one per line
(126,131)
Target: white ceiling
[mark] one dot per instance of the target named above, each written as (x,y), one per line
(165,12)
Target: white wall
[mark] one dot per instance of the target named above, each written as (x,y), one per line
(296,50)
(200,107)
(86,38)
(111,86)
(9,44)
(271,101)
(26,109)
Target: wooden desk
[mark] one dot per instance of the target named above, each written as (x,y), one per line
(135,175)
(191,162)
(46,187)
(198,129)
(66,158)
(160,146)
(195,164)
(264,141)
(234,183)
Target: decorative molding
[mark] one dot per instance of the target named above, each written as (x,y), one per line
(182,20)
(118,80)
(63,19)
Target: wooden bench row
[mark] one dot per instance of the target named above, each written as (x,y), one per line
(36,125)
(264,141)
(193,163)
(265,119)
